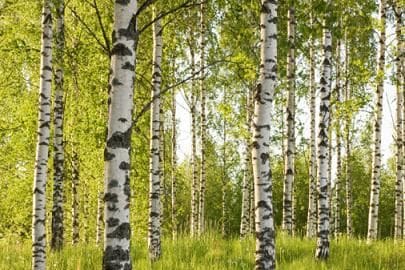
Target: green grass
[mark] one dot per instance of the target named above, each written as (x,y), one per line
(213,252)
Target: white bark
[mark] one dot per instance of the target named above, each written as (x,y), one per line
(201,210)
(41,157)
(117,231)
(398,229)
(154,230)
(245,215)
(174,166)
(322,249)
(376,162)
(289,167)
(312,210)
(265,231)
(57,211)
(75,197)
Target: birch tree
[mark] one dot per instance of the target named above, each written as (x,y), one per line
(322,249)
(378,110)
(201,209)
(154,230)
(117,231)
(42,148)
(289,167)
(312,212)
(399,128)
(174,166)
(265,231)
(57,211)
(245,215)
(75,197)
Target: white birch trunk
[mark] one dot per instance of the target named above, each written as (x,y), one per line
(312,206)
(154,230)
(174,166)
(194,184)
(245,215)
(201,210)
(399,128)
(322,249)
(348,127)
(265,231)
(376,162)
(75,197)
(117,231)
(57,211)
(41,157)
(289,167)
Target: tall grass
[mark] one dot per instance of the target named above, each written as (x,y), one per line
(211,251)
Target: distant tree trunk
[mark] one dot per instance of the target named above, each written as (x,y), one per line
(245,217)
(265,231)
(338,146)
(86,212)
(174,166)
(42,148)
(224,180)
(322,249)
(330,188)
(399,128)
(194,184)
(348,127)
(57,211)
(201,210)
(312,212)
(289,167)
(162,155)
(117,230)
(376,163)
(75,197)
(100,221)
(154,241)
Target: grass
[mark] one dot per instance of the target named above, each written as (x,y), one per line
(213,252)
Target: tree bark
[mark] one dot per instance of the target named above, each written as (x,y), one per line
(265,231)
(154,230)
(245,215)
(174,166)
(57,211)
(376,162)
(117,231)
(348,127)
(75,197)
(289,167)
(201,210)
(42,148)
(194,184)
(399,128)
(312,198)
(322,249)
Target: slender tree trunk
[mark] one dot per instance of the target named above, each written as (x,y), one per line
(289,167)
(57,211)
(201,210)
(224,180)
(348,127)
(86,213)
(100,221)
(312,212)
(338,145)
(154,241)
(162,155)
(400,150)
(41,157)
(265,231)
(117,231)
(376,162)
(75,197)
(322,249)
(194,184)
(245,217)
(174,166)
(330,188)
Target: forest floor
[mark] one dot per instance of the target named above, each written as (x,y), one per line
(213,252)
